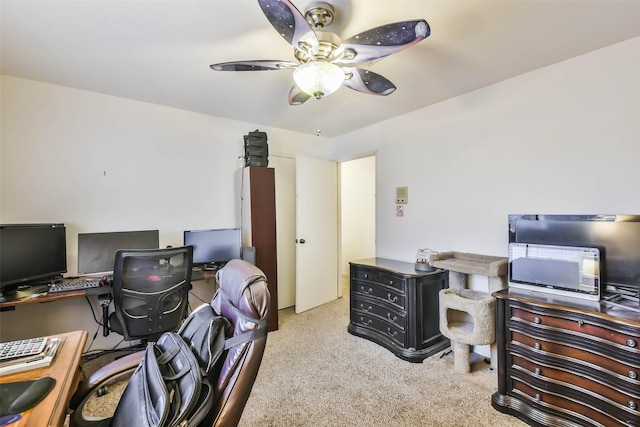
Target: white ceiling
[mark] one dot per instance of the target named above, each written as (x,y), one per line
(160,51)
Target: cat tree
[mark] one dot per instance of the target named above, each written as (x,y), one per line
(467,317)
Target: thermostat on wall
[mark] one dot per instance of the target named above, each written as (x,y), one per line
(402,195)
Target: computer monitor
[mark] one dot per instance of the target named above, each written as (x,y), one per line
(216,246)
(97,251)
(31,254)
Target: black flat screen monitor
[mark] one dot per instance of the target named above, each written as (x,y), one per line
(31,253)
(617,237)
(214,246)
(97,251)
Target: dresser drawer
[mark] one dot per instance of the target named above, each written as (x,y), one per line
(383,293)
(572,407)
(607,367)
(580,325)
(382,327)
(623,400)
(383,311)
(379,278)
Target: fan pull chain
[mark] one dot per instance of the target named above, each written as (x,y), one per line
(319,131)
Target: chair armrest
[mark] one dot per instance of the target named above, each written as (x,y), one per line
(104,374)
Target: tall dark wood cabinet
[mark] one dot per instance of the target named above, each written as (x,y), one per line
(567,362)
(258,211)
(396,306)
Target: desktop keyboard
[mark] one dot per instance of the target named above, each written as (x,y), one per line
(74,285)
(22,348)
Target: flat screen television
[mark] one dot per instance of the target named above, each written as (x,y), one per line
(31,254)
(214,247)
(617,237)
(97,251)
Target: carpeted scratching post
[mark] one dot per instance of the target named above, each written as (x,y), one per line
(467,317)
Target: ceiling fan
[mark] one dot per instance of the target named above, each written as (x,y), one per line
(323,61)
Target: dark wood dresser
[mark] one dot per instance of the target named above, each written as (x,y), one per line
(396,306)
(567,362)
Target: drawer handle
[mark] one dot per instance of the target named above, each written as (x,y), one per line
(392,319)
(366,276)
(538,397)
(632,375)
(537,346)
(366,291)
(391,282)
(631,343)
(362,307)
(392,333)
(536,371)
(580,322)
(631,404)
(536,320)
(364,321)
(392,298)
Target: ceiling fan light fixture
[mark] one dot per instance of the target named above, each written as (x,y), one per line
(323,61)
(318,78)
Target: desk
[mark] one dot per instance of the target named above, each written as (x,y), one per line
(202,274)
(65,368)
(39,294)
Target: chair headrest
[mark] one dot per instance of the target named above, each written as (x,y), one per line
(234,279)
(243,298)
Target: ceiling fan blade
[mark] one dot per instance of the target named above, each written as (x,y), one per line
(257,65)
(297,96)
(288,21)
(366,81)
(383,41)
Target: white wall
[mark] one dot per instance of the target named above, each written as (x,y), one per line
(561,139)
(102,163)
(358,209)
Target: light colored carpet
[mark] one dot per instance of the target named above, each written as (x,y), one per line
(314,373)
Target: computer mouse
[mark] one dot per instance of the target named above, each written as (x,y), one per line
(8,419)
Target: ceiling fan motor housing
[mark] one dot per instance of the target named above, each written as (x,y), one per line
(319,15)
(324,51)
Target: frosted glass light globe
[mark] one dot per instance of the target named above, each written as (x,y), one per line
(318,78)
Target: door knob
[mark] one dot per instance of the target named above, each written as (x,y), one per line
(301,241)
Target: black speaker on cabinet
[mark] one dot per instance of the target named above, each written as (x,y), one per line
(256,150)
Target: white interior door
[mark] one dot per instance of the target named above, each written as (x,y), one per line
(316,232)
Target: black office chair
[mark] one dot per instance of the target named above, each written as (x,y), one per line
(150,291)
